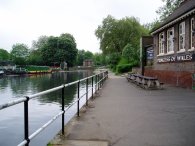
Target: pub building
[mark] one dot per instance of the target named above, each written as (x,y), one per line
(173,58)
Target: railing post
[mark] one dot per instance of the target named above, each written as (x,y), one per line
(102,75)
(63,110)
(87,92)
(26,126)
(78,88)
(95,83)
(92,87)
(98,76)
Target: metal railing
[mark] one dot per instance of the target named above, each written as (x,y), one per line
(99,80)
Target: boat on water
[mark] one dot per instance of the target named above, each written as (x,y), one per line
(1,72)
(17,71)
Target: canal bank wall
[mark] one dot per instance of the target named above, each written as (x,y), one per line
(125,115)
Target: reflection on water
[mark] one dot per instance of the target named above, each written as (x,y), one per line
(41,109)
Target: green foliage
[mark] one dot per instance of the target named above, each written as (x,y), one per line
(37,45)
(168,8)
(120,40)
(19,54)
(83,55)
(49,144)
(35,58)
(99,59)
(123,61)
(152,26)
(80,57)
(88,55)
(115,34)
(114,58)
(4,55)
(124,68)
(130,53)
(58,49)
(20,50)
(67,50)
(48,50)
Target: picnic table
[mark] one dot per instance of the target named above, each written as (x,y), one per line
(144,81)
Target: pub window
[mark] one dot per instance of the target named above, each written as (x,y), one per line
(192,33)
(170,40)
(182,36)
(161,43)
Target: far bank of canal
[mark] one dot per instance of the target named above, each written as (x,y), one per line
(41,109)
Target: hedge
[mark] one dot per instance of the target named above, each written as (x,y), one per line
(123,68)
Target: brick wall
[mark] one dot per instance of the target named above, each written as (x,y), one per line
(178,73)
(176,78)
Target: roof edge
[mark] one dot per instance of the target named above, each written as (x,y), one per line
(173,21)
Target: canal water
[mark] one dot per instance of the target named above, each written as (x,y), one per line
(41,109)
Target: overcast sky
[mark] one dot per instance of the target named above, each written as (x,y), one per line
(22,21)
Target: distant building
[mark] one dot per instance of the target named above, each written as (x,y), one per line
(88,63)
(174,47)
(7,65)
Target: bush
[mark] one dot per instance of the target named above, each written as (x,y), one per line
(123,68)
(123,61)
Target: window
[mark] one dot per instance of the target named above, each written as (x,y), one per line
(182,36)
(170,40)
(192,33)
(161,43)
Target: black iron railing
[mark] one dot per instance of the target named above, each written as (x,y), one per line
(99,80)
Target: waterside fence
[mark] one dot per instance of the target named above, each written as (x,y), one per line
(97,81)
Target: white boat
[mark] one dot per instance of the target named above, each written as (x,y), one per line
(1,72)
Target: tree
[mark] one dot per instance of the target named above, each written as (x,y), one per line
(58,49)
(4,55)
(80,57)
(35,58)
(99,59)
(83,55)
(48,51)
(152,26)
(67,50)
(168,8)
(115,34)
(113,59)
(88,55)
(19,53)
(130,53)
(42,40)
(105,33)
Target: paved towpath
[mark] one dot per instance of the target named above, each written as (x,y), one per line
(126,115)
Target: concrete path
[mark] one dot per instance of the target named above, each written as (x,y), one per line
(126,115)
